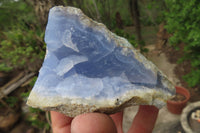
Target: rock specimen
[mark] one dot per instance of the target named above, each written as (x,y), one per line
(87,68)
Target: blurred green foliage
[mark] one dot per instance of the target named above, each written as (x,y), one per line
(11,101)
(37,119)
(152,12)
(33,81)
(107,11)
(183,21)
(14,13)
(19,48)
(21,37)
(130,38)
(24,95)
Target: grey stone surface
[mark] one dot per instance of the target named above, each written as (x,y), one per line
(167,122)
(87,68)
(185,118)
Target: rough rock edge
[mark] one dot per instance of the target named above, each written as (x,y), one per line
(73,110)
(156,97)
(79,106)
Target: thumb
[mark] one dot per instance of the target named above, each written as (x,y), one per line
(93,123)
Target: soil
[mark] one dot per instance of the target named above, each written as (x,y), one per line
(173,56)
(178,98)
(181,69)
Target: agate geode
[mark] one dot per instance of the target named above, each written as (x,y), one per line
(87,68)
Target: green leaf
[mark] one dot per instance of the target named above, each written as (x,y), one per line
(183,19)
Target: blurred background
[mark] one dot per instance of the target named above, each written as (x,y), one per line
(167,32)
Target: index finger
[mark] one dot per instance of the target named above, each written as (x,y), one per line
(144,120)
(60,122)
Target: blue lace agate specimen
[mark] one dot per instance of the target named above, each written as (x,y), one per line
(87,68)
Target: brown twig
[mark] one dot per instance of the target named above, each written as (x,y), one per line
(14,84)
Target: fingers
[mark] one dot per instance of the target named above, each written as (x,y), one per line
(144,120)
(118,118)
(93,123)
(60,122)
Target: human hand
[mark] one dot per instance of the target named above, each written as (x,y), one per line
(101,123)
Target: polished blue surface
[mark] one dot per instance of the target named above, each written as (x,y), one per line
(82,62)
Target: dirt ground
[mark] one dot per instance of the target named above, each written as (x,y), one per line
(181,69)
